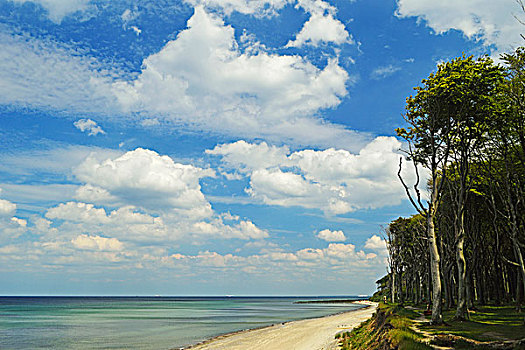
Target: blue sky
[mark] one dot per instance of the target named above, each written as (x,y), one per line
(210,147)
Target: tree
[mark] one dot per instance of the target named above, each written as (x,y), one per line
(428,138)
(470,92)
(448,120)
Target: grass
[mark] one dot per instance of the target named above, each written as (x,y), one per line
(392,326)
(487,323)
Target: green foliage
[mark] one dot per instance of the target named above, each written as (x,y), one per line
(451,107)
(390,327)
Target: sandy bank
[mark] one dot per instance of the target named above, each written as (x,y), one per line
(310,334)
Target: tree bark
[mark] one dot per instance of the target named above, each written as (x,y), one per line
(461,310)
(437,317)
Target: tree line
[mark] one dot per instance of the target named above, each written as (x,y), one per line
(465,139)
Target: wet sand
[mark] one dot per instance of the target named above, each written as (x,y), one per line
(309,334)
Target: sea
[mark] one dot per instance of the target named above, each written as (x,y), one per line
(145,322)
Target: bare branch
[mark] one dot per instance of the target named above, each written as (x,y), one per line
(509,262)
(420,210)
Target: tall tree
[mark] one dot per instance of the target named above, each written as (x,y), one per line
(428,138)
(470,90)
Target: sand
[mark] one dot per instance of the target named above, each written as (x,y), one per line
(310,334)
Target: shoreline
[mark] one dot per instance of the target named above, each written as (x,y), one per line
(274,332)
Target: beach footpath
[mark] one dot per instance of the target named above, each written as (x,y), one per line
(309,334)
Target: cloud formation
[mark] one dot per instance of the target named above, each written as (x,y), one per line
(144,178)
(331,236)
(322,27)
(89,126)
(331,180)
(58,9)
(491,22)
(203,79)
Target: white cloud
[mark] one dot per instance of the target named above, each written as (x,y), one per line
(18,221)
(78,212)
(150,122)
(11,227)
(7,208)
(244,229)
(89,126)
(383,72)
(247,157)
(248,7)
(128,16)
(144,178)
(321,29)
(42,74)
(376,243)
(156,200)
(97,243)
(331,236)
(58,9)
(202,79)
(56,160)
(335,181)
(491,22)
(90,193)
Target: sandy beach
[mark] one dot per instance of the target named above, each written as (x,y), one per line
(309,334)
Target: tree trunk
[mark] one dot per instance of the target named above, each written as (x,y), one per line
(461,310)
(437,317)
(446,287)
(480,283)
(393,285)
(519,257)
(519,291)
(468,290)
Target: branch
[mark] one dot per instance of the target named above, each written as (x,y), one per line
(509,262)
(419,210)
(416,184)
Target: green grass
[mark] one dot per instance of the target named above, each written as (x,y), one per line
(388,328)
(391,327)
(487,323)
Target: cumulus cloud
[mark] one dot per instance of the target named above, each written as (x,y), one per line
(89,126)
(321,29)
(156,199)
(11,227)
(491,22)
(246,157)
(203,79)
(335,256)
(244,229)
(375,242)
(7,208)
(146,179)
(331,236)
(97,243)
(335,181)
(80,212)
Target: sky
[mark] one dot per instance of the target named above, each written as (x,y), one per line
(214,147)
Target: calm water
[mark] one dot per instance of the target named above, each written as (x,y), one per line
(141,322)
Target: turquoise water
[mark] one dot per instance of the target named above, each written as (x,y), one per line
(141,322)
